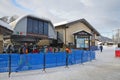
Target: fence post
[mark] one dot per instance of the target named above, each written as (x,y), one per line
(90,56)
(56,58)
(9,67)
(67,59)
(44,62)
(82,53)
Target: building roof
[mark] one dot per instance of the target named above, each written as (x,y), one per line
(5,25)
(65,23)
(13,24)
(81,31)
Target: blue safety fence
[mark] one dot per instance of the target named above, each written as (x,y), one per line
(94,48)
(38,61)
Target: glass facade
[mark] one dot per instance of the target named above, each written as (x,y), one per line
(36,26)
(41,27)
(29,25)
(45,28)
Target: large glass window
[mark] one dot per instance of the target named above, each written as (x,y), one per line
(45,28)
(35,26)
(29,25)
(41,27)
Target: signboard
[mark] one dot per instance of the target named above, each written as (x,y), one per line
(38,35)
(80,43)
(19,33)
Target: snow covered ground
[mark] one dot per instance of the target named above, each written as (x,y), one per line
(105,67)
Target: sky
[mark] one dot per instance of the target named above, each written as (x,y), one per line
(103,15)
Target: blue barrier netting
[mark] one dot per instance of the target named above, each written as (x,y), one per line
(94,48)
(22,62)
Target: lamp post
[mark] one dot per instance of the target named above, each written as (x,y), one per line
(65,46)
(66,26)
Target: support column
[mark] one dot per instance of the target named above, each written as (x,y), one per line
(1,43)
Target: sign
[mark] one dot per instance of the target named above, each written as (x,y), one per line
(20,33)
(80,43)
(38,35)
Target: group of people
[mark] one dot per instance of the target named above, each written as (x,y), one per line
(25,49)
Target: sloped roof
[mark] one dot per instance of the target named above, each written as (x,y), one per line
(13,24)
(81,31)
(5,25)
(65,23)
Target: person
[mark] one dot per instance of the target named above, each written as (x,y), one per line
(54,49)
(101,48)
(58,49)
(20,50)
(50,49)
(35,50)
(25,48)
(68,50)
(24,58)
(10,49)
(5,49)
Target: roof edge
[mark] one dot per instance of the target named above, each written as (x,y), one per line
(84,21)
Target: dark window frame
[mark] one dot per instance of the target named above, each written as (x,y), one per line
(37,22)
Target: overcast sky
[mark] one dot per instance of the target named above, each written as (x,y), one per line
(103,15)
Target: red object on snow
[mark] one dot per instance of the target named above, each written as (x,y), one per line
(117,53)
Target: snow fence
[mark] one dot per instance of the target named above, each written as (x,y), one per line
(42,60)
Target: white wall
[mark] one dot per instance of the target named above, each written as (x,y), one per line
(51,32)
(21,26)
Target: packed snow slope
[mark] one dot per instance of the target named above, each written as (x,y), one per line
(105,67)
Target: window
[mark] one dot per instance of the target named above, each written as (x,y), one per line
(40,27)
(45,28)
(82,42)
(29,25)
(35,26)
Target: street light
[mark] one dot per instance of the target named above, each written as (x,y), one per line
(66,26)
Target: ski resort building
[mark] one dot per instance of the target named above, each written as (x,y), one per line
(33,29)
(79,33)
